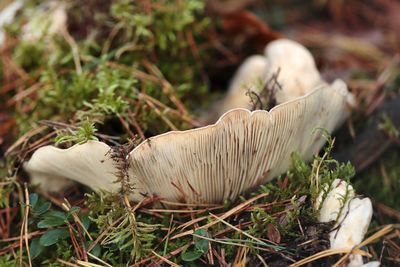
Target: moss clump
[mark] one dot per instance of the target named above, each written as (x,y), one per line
(132,62)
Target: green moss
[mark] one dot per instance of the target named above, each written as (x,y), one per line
(7,260)
(83,134)
(29,55)
(149,51)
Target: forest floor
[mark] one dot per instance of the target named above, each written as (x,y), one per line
(128,70)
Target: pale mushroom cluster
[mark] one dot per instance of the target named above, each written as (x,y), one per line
(241,151)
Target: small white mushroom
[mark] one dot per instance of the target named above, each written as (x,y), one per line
(210,164)
(352,216)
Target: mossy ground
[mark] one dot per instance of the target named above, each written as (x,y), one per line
(124,71)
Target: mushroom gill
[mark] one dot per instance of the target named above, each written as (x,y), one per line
(240,151)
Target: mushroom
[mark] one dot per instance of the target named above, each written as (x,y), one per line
(242,150)
(352,217)
(89,164)
(298,74)
(330,206)
(249,76)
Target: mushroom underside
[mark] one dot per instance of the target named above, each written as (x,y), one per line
(210,164)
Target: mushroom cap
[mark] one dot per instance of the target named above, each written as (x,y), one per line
(298,74)
(252,72)
(89,164)
(240,151)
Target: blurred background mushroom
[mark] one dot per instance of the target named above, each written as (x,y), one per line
(286,72)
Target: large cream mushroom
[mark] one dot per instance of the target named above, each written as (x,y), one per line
(210,164)
(242,150)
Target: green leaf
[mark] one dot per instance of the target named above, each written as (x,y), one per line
(35,248)
(191,255)
(85,220)
(41,209)
(201,244)
(53,219)
(74,209)
(96,250)
(33,198)
(53,236)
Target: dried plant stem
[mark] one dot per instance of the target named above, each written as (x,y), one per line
(326,253)
(380,233)
(246,234)
(167,88)
(23,139)
(167,109)
(24,230)
(75,50)
(347,252)
(67,206)
(98,259)
(66,263)
(165,259)
(164,118)
(224,216)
